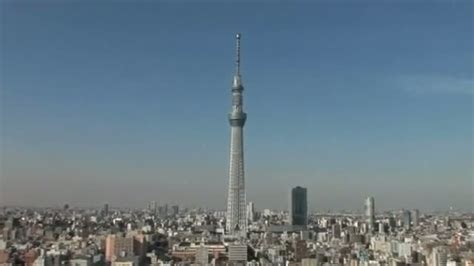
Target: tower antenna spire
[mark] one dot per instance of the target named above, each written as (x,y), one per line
(237,56)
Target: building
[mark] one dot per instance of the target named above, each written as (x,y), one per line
(370,213)
(309,262)
(127,261)
(105,210)
(236,220)
(237,253)
(251,212)
(152,207)
(202,255)
(163,210)
(415,217)
(117,246)
(336,230)
(82,261)
(392,223)
(175,210)
(301,250)
(439,256)
(406,219)
(187,250)
(30,257)
(452,262)
(4,256)
(404,249)
(381,228)
(298,206)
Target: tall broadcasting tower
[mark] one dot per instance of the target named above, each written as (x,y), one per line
(236,210)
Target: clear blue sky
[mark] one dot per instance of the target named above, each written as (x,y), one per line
(126,102)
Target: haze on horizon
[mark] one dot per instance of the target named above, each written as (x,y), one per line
(125,102)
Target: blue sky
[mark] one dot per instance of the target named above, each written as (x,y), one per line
(126,102)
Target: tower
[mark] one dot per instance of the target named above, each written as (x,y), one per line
(370,212)
(236,220)
(298,206)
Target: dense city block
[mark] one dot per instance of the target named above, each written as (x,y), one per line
(170,235)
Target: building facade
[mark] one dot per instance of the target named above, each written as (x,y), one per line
(237,253)
(251,211)
(370,213)
(298,206)
(407,219)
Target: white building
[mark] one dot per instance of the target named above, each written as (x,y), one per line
(439,256)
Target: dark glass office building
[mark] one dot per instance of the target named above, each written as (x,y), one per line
(298,206)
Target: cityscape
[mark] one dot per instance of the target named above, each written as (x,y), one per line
(164,231)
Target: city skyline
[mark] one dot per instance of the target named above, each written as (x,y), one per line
(375,105)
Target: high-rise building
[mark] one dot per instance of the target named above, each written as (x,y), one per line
(152,207)
(406,219)
(415,217)
(298,206)
(336,230)
(381,228)
(175,210)
(251,211)
(370,213)
(105,210)
(163,210)
(392,223)
(236,220)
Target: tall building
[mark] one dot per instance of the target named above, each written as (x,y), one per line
(152,207)
(236,220)
(336,230)
(381,228)
(406,219)
(251,211)
(298,206)
(175,210)
(163,210)
(392,223)
(370,213)
(105,210)
(415,217)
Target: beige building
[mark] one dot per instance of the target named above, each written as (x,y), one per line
(117,246)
